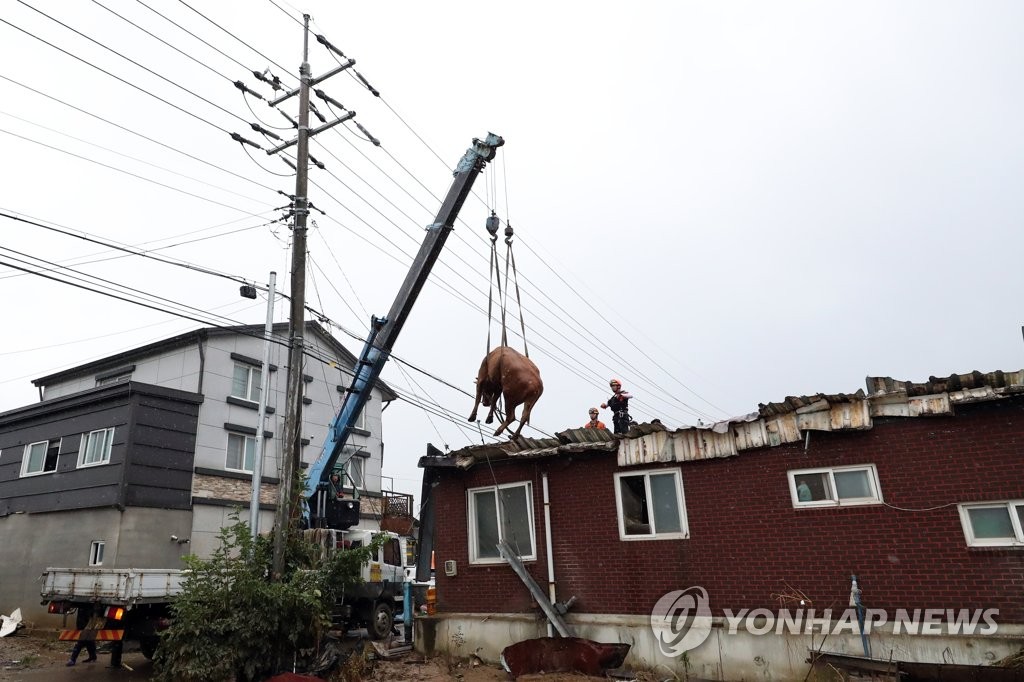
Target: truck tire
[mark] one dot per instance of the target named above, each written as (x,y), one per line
(381,621)
(148,646)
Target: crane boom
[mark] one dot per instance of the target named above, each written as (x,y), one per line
(384,331)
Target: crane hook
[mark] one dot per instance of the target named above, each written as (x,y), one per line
(493,222)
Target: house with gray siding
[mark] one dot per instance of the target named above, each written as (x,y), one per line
(140,458)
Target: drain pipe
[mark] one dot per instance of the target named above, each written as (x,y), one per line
(855,602)
(547,538)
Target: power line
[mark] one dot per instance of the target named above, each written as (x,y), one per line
(129,59)
(234,36)
(138,134)
(121,170)
(212,47)
(128,156)
(130,250)
(118,78)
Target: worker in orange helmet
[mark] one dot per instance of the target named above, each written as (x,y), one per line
(619,404)
(594,422)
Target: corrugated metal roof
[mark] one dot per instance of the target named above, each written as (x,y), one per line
(773,424)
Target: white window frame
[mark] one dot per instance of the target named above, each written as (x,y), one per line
(251,384)
(116,379)
(683,534)
(25,458)
(359,480)
(245,442)
(96,551)
(108,435)
(474,550)
(1010,506)
(874,498)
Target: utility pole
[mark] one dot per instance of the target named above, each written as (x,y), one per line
(257,464)
(291,446)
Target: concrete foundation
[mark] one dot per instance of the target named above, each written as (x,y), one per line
(724,655)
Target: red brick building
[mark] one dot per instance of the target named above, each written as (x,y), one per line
(917,489)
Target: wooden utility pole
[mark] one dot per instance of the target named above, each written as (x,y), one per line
(291,443)
(291,447)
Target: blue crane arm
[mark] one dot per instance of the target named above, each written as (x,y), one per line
(384,331)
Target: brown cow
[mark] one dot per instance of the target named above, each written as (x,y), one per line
(507,373)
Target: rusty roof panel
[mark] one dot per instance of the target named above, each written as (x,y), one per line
(774,424)
(951,384)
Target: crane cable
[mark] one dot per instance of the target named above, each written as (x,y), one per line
(493,222)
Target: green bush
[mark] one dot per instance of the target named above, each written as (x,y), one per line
(232,622)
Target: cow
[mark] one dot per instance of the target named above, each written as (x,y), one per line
(507,373)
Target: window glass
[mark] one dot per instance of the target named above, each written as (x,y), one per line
(96,447)
(813,487)
(665,504)
(989,523)
(515,517)
(355,469)
(852,484)
(634,505)
(392,552)
(241,452)
(245,383)
(96,553)
(1020,515)
(486,524)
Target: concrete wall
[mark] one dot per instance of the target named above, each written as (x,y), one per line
(135,538)
(723,656)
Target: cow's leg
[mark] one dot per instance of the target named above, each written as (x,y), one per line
(510,417)
(527,408)
(476,404)
(494,406)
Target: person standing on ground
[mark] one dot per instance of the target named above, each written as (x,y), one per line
(594,422)
(87,623)
(619,405)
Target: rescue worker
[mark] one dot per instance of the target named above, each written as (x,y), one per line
(594,422)
(87,623)
(619,405)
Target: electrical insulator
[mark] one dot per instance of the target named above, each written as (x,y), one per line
(492,224)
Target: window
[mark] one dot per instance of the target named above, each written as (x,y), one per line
(834,486)
(356,472)
(650,505)
(40,458)
(116,379)
(245,383)
(993,524)
(501,513)
(96,447)
(96,553)
(241,452)
(392,552)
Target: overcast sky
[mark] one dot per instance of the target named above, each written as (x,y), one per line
(721,204)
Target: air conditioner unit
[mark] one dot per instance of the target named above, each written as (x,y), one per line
(450,568)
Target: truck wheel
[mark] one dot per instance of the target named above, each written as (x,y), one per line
(148,646)
(381,621)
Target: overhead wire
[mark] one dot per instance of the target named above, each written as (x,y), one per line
(234,36)
(141,66)
(118,78)
(209,45)
(690,408)
(128,156)
(129,173)
(139,135)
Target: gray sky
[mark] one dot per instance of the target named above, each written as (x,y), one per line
(721,204)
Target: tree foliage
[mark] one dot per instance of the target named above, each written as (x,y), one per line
(232,621)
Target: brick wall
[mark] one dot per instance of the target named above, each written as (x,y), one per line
(747,542)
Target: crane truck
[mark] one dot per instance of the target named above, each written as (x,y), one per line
(137,600)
